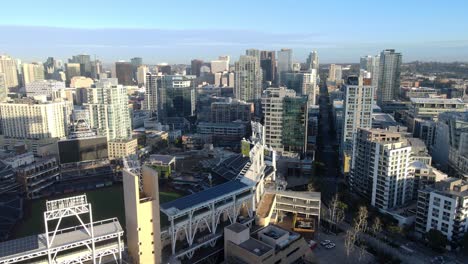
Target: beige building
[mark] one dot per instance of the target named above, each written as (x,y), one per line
(271,244)
(121,148)
(142,216)
(81,82)
(8,67)
(32,72)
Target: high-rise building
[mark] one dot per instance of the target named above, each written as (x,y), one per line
(285,120)
(195,67)
(443,207)
(3,88)
(450,150)
(136,62)
(142,217)
(312,62)
(85,64)
(304,83)
(151,93)
(8,66)
(284,63)
(49,88)
(142,70)
(34,122)
(268,65)
(379,168)
(176,96)
(248,79)
(72,70)
(389,76)
(32,72)
(230,111)
(253,53)
(359,98)
(108,109)
(365,63)
(124,72)
(220,65)
(335,73)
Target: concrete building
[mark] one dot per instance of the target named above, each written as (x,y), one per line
(142,71)
(121,148)
(285,120)
(248,79)
(220,65)
(424,175)
(389,76)
(304,83)
(37,176)
(81,82)
(124,73)
(444,207)
(32,119)
(312,62)
(151,94)
(72,70)
(84,62)
(335,73)
(379,168)
(268,65)
(32,72)
(418,92)
(284,64)
(3,89)
(50,88)
(357,112)
(337,111)
(231,110)
(269,245)
(108,109)
(450,150)
(8,66)
(142,216)
(224,134)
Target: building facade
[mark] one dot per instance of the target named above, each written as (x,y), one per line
(389,76)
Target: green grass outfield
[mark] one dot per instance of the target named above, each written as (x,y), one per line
(106,203)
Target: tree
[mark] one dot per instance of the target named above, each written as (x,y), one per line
(336,211)
(350,239)
(436,239)
(360,221)
(376,226)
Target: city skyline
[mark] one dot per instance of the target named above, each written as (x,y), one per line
(214,29)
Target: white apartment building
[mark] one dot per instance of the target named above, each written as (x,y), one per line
(108,109)
(335,73)
(357,113)
(444,207)
(248,79)
(379,169)
(272,104)
(30,119)
(49,88)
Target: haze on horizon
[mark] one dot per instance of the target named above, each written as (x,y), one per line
(162,31)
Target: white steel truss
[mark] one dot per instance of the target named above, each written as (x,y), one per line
(82,239)
(189,222)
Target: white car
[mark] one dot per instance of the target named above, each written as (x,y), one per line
(330,245)
(325,242)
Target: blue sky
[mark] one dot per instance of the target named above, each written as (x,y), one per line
(176,31)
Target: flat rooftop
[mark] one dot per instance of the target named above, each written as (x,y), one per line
(203,197)
(165,159)
(255,246)
(436,101)
(236,227)
(300,195)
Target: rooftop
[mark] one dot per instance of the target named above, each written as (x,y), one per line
(436,101)
(174,207)
(256,247)
(165,159)
(236,227)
